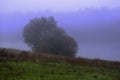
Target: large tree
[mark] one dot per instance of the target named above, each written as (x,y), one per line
(44,36)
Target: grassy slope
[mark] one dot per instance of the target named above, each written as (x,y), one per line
(21,65)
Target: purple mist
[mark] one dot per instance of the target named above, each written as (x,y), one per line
(94,24)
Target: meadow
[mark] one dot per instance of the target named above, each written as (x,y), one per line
(23,65)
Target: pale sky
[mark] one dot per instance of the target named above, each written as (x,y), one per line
(25,6)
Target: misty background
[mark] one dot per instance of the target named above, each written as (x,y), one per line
(96,30)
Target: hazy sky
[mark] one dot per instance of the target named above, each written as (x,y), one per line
(98,39)
(24,6)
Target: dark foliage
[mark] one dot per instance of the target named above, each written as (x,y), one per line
(44,36)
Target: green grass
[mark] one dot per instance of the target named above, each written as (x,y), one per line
(12,68)
(43,70)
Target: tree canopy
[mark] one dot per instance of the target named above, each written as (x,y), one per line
(44,36)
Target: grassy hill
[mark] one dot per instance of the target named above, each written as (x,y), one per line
(23,65)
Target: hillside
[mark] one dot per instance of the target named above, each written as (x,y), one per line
(24,65)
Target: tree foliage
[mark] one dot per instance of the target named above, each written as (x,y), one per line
(44,36)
